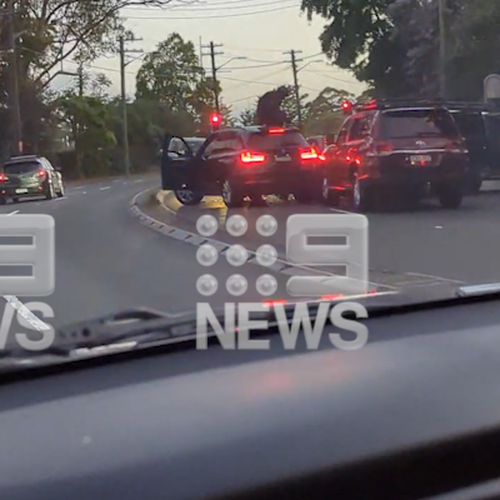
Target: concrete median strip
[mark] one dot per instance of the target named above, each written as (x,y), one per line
(280,266)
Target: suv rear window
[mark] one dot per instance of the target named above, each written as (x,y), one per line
(417,123)
(21,168)
(268,142)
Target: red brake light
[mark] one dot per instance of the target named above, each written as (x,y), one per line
(251,158)
(41,173)
(322,157)
(276,130)
(2,177)
(309,154)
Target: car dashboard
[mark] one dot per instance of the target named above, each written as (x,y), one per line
(414,414)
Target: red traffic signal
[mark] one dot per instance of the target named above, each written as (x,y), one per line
(215,119)
(346,107)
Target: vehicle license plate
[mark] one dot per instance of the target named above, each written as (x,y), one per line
(21,191)
(420,158)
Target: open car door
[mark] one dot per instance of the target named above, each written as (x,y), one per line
(179,169)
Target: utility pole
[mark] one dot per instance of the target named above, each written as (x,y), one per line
(294,61)
(80,81)
(123,64)
(442,49)
(14,104)
(211,47)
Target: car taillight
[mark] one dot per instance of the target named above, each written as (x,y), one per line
(322,157)
(2,177)
(276,130)
(384,147)
(252,158)
(309,154)
(41,173)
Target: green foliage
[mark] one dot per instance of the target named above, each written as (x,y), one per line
(172,75)
(394,45)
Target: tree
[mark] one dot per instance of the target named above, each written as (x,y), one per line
(172,75)
(323,113)
(246,117)
(89,120)
(51,31)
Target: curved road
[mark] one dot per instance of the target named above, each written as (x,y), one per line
(106,261)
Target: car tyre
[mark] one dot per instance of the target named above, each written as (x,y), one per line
(51,194)
(187,196)
(60,193)
(362,196)
(232,194)
(327,195)
(450,197)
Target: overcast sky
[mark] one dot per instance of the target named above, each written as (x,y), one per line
(260,30)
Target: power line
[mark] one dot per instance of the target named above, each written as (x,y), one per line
(189,17)
(222,6)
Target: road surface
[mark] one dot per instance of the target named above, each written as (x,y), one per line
(106,261)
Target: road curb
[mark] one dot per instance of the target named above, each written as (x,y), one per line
(280,266)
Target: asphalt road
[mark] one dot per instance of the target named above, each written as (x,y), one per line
(107,262)
(424,247)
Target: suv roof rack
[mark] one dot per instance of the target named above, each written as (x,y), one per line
(23,157)
(452,105)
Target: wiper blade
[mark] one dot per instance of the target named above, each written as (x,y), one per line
(478,290)
(131,325)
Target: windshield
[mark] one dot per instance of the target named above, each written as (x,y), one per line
(141,225)
(21,168)
(418,122)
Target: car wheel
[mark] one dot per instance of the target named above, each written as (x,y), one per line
(327,196)
(50,195)
(15,200)
(60,193)
(450,197)
(232,194)
(361,196)
(187,196)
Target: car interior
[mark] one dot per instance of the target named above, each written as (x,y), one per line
(401,418)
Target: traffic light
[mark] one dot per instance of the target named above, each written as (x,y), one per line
(346,107)
(215,121)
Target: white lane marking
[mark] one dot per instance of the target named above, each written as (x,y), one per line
(23,311)
(138,180)
(79,187)
(105,188)
(14,212)
(84,192)
(437,278)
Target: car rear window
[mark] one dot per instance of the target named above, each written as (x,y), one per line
(267,142)
(21,168)
(417,123)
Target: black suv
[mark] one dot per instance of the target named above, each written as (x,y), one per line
(29,177)
(243,162)
(387,149)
